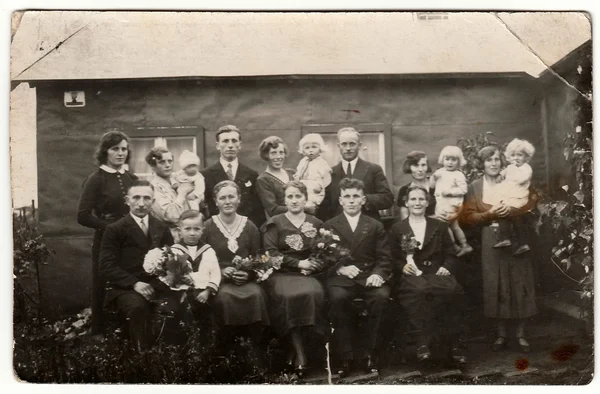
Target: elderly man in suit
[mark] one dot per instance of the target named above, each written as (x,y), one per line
(229,144)
(124,246)
(364,274)
(378,195)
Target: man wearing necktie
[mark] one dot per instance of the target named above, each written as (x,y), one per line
(229,144)
(124,246)
(376,187)
(364,274)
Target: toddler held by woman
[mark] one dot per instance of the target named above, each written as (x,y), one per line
(515,193)
(190,173)
(313,170)
(450,187)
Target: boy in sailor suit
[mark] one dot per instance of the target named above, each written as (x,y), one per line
(207,274)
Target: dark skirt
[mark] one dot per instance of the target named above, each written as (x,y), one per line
(295,301)
(240,305)
(433,305)
(508,281)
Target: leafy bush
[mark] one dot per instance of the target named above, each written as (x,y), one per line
(29,253)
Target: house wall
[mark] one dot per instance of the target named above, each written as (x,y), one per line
(424,113)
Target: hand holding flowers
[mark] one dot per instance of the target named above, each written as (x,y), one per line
(326,251)
(262,265)
(170,266)
(409,245)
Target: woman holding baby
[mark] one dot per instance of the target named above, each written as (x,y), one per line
(507,268)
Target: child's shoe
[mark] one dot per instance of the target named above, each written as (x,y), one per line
(465,249)
(522,249)
(503,244)
(457,249)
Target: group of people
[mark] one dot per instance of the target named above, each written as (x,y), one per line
(227,211)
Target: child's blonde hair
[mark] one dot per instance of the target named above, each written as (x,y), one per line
(452,151)
(518,145)
(312,138)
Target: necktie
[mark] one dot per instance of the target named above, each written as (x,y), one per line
(349,171)
(229,172)
(144,227)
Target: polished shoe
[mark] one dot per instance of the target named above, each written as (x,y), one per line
(522,249)
(423,354)
(500,344)
(457,356)
(344,370)
(372,365)
(524,345)
(503,244)
(300,371)
(289,362)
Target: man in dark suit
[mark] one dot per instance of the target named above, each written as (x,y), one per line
(364,274)
(124,246)
(229,143)
(376,188)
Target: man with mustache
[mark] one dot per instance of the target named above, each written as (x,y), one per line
(124,246)
(376,188)
(229,144)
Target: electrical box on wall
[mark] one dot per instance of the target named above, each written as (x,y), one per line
(75,98)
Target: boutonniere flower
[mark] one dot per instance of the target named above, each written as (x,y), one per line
(248,184)
(308,230)
(294,241)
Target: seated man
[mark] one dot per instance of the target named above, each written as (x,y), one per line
(124,246)
(362,275)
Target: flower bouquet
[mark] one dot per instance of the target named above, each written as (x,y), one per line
(326,249)
(409,244)
(170,266)
(262,265)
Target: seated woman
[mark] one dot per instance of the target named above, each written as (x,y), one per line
(296,300)
(239,303)
(426,289)
(508,280)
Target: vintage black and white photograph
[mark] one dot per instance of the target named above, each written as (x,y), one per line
(309,198)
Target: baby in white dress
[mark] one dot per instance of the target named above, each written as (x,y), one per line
(450,187)
(514,192)
(313,170)
(190,173)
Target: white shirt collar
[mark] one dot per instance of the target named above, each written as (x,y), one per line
(112,170)
(140,220)
(353,220)
(352,163)
(234,165)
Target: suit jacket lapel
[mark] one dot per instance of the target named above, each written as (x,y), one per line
(362,229)
(342,226)
(430,229)
(360,170)
(155,231)
(219,173)
(137,233)
(241,174)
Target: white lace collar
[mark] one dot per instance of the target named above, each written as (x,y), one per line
(111,170)
(232,237)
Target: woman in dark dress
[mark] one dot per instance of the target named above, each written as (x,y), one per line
(103,202)
(508,280)
(296,300)
(427,289)
(239,301)
(269,184)
(417,165)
